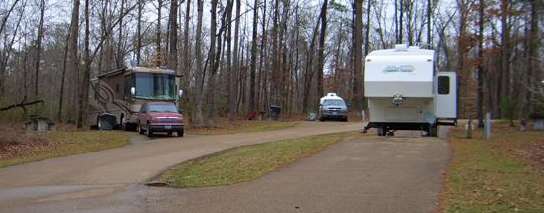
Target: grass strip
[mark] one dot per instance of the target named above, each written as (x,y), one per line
(243,127)
(494,175)
(63,143)
(246,163)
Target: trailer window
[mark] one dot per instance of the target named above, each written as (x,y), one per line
(443,85)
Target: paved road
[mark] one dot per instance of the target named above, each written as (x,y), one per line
(364,175)
(63,182)
(372,174)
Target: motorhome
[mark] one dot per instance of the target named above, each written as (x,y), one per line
(117,96)
(405,91)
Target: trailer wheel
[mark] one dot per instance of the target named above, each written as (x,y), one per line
(390,133)
(180,133)
(381,131)
(433,131)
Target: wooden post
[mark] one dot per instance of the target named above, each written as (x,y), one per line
(468,132)
(487,126)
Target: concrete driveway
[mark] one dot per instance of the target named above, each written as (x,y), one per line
(366,175)
(373,174)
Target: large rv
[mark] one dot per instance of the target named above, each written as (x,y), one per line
(118,95)
(406,92)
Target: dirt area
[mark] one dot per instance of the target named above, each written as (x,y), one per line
(15,141)
(536,153)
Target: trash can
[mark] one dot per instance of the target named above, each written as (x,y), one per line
(275,111)
(106,121)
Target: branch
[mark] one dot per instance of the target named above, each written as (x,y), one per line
(5,20)
(22,105)
(109,30)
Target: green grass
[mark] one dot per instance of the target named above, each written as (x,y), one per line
(494,175)
(242,127)
(246,163)
(68,143)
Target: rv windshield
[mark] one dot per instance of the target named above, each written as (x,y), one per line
(155,86)
(333,103)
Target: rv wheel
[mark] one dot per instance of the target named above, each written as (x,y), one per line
(98,123)
(139,129)
(180,133)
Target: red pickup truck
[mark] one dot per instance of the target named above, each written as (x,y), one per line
(160,117)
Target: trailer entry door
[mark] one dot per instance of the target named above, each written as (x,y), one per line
(446,95)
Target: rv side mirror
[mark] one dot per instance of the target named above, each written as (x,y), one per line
(180,93)
(133,90)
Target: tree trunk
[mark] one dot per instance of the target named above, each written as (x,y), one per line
(62,78)
(367,31)
(505,52)
(187,45)
(429,21)
(158,39)
(231,76)
(84,85)
(74,34)
(173,36)
(533,74)
(401,23)
(39,49)
(253,65)
(139,33)
(480,96)
(120,52)
(321,57)
(263,47)
(358,60)
(198,118)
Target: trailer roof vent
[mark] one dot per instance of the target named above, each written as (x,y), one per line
(331,94)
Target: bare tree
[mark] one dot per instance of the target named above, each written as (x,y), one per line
(39,48)
(198,119)
(74,34)
(158,38)
(139,32)
(173,36)
(84,85)
(253,57)
(480,97)
(321,50)
(187,44)
(357,55)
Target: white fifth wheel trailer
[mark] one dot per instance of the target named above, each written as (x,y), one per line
(406,92)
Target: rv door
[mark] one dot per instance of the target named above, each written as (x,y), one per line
(446,95)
